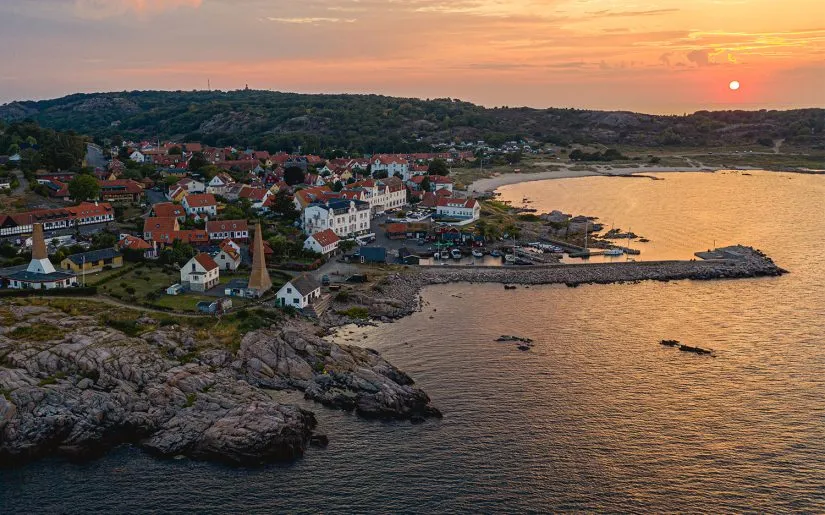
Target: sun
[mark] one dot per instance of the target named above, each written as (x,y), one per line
(734,85)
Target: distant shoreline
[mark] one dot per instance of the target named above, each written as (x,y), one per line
(491,184)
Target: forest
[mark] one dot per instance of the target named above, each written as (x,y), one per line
(317,123)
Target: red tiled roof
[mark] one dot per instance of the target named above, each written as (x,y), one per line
(456,202)
(326,237)
(253,193)
(133,243)
(200,200)
(206,261)
(168,209)
(226,225)
(158,226)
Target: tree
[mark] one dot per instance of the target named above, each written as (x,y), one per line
(175,151)
(283,204)
(380,174)
(293,175)
(425,184)
(337,186)
(14,148)
(197,161)
(438,167)
(83,187)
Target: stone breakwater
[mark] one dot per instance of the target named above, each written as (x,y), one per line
(401,295)
(71,386)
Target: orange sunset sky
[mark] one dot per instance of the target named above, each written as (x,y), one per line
(668,56)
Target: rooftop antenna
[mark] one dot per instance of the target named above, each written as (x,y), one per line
(209,85)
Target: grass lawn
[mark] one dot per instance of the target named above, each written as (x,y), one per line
(143,280)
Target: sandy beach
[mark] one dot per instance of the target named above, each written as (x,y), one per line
(493,183)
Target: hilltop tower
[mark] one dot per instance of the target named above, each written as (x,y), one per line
(259,278)
(40,263)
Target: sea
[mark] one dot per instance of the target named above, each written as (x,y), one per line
(596,417)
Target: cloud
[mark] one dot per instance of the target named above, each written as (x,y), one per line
(310,20)
(699,57)
(621,14)
(100,9)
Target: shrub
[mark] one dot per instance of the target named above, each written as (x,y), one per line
(356,312)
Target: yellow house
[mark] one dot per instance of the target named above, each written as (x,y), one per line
(93,261)
(345,175)
(178,194)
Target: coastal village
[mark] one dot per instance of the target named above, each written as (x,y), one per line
(188,227)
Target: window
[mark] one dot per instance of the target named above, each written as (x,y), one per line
(296,301)
(289,290)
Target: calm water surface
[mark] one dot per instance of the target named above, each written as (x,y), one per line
(597,417)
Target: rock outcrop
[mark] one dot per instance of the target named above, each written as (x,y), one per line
(340,376)
(72,387)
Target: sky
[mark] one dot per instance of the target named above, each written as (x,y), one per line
(663,56)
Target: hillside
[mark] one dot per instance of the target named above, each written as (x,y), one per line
(373,123)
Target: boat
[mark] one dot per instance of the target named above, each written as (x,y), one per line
(445,254)
(495,253)
(510,258)
(456,253)
(437,254)
(613,252)
(477,253)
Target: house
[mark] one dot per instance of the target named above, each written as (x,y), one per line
(160,229)
(392,165)
(200,204)
(169,210)
(382,195)
(229,255)
(441,182)
(220,230)
(137,157)
(191,185)
(465,209)
(133,243)
(218,184)
(121,191)
(5,183)
(85,213)
(92,261)
(345,217)
(324,242)
(175,289)
(256,196)
(307,196)
(200,273)
(299,292)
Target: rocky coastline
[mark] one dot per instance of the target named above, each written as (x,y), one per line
(72,387)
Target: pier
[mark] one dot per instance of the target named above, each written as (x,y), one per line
(728,263)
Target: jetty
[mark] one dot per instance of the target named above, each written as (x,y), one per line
(735,262)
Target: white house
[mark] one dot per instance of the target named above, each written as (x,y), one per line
(220,230)
(441,182)
(384,194)
(229,256)
(324,242)
(200,273)
(465,209)
(5,183)
(200,204)
(299,292)
(391,165)
(191,185)
(137,157)
(218,184)
(345,217)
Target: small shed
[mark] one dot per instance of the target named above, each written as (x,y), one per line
(372,255)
